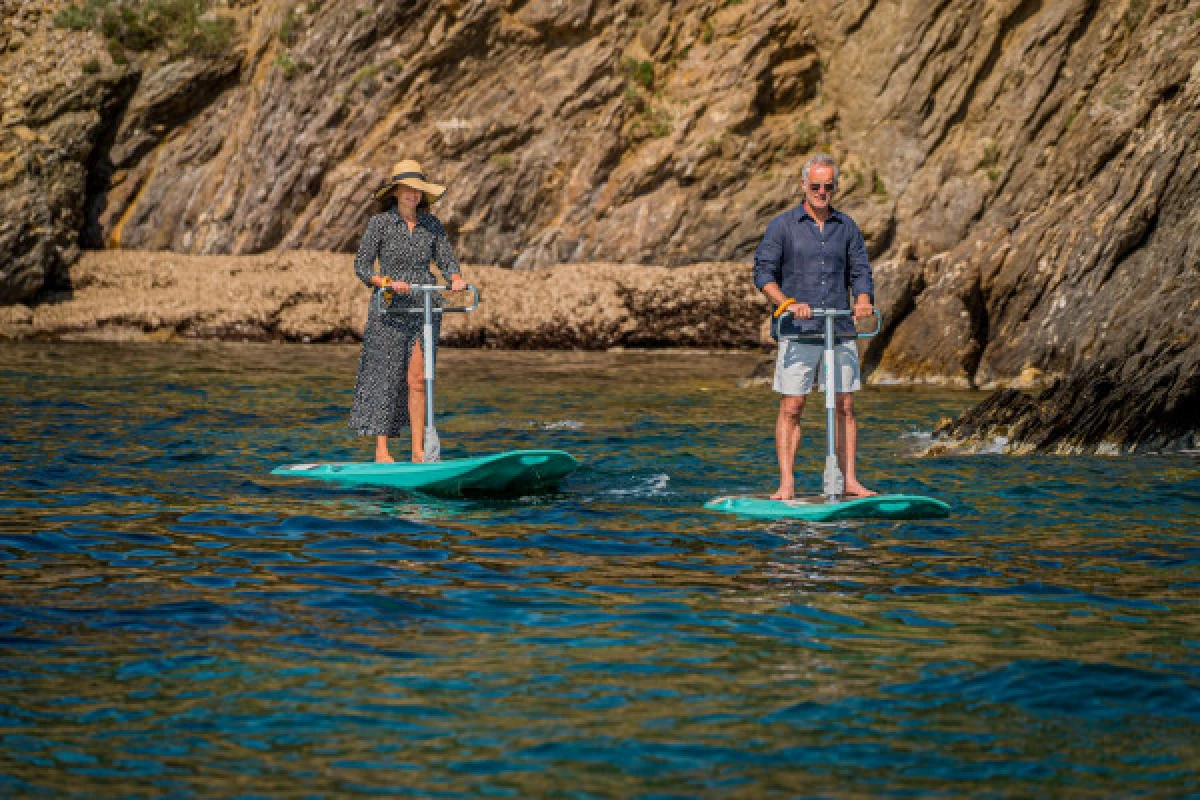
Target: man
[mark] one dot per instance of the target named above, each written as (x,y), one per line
(813,256)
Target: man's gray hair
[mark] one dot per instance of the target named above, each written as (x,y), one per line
(819,160)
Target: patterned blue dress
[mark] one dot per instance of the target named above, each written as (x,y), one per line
(381,393)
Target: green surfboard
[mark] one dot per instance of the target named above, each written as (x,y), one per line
(817,509)
(514,472)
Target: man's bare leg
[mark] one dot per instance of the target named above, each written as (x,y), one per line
(416,402)
(847,441)
(787,442)
(381,450)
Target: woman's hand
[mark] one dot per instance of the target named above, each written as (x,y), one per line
(458,283)
(389,285)
(395,286)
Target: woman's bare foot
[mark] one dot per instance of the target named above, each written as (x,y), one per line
(856,489)
(785,492)
(382,454)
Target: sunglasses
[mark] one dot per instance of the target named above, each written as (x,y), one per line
(818,187)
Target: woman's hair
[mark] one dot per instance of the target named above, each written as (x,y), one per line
(388,202)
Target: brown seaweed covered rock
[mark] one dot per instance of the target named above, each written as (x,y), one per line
(1089,411)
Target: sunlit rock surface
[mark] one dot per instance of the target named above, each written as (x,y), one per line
(309,296)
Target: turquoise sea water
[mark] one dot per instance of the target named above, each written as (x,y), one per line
(175,621)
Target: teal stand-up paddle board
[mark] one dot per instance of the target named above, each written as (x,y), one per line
(510,473)
(816,509)
(514,472)
(832,505)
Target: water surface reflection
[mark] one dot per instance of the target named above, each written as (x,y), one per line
(176,621)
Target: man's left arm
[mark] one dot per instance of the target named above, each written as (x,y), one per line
(862,284)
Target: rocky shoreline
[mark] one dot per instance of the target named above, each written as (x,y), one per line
(307,296)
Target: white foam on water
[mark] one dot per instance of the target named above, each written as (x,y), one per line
(562,425)
(995,446)
(648,486)
(915,443)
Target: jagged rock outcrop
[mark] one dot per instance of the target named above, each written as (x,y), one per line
(1025,171)
(1088,412)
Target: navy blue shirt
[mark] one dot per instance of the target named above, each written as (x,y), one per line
(819,267)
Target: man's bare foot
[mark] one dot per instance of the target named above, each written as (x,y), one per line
(784,493)
(856,489)
(384,458)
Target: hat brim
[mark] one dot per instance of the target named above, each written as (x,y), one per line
(432,191)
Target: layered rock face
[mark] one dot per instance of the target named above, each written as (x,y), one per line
(1075,274)
(52,125)
(1025,172)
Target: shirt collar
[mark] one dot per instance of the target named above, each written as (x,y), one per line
(395,212)
(802,214)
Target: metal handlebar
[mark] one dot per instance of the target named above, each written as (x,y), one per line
(777,322)
(430,289)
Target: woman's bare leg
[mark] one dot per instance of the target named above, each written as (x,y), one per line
(416,401)
(382,454)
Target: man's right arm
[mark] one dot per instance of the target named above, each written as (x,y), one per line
(768,264)
(768,271)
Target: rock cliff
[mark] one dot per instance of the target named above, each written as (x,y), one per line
(1026,172)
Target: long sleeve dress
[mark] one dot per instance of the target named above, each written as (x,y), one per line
(381,393)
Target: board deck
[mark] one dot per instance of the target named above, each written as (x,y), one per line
(513,472)
(816,509)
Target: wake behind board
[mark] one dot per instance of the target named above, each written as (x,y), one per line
(514,472)
(816,509)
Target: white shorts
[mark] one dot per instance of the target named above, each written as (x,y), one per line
(798,362)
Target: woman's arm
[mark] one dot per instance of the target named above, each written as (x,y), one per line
(368,251)
(443,256)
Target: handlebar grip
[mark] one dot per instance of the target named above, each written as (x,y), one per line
(878,325)
(475,298)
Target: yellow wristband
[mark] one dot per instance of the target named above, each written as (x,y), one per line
(784,306)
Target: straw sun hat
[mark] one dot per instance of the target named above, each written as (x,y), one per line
(409,173)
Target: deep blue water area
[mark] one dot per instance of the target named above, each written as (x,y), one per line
(174,621)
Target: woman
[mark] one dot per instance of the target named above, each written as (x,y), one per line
(405,237)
